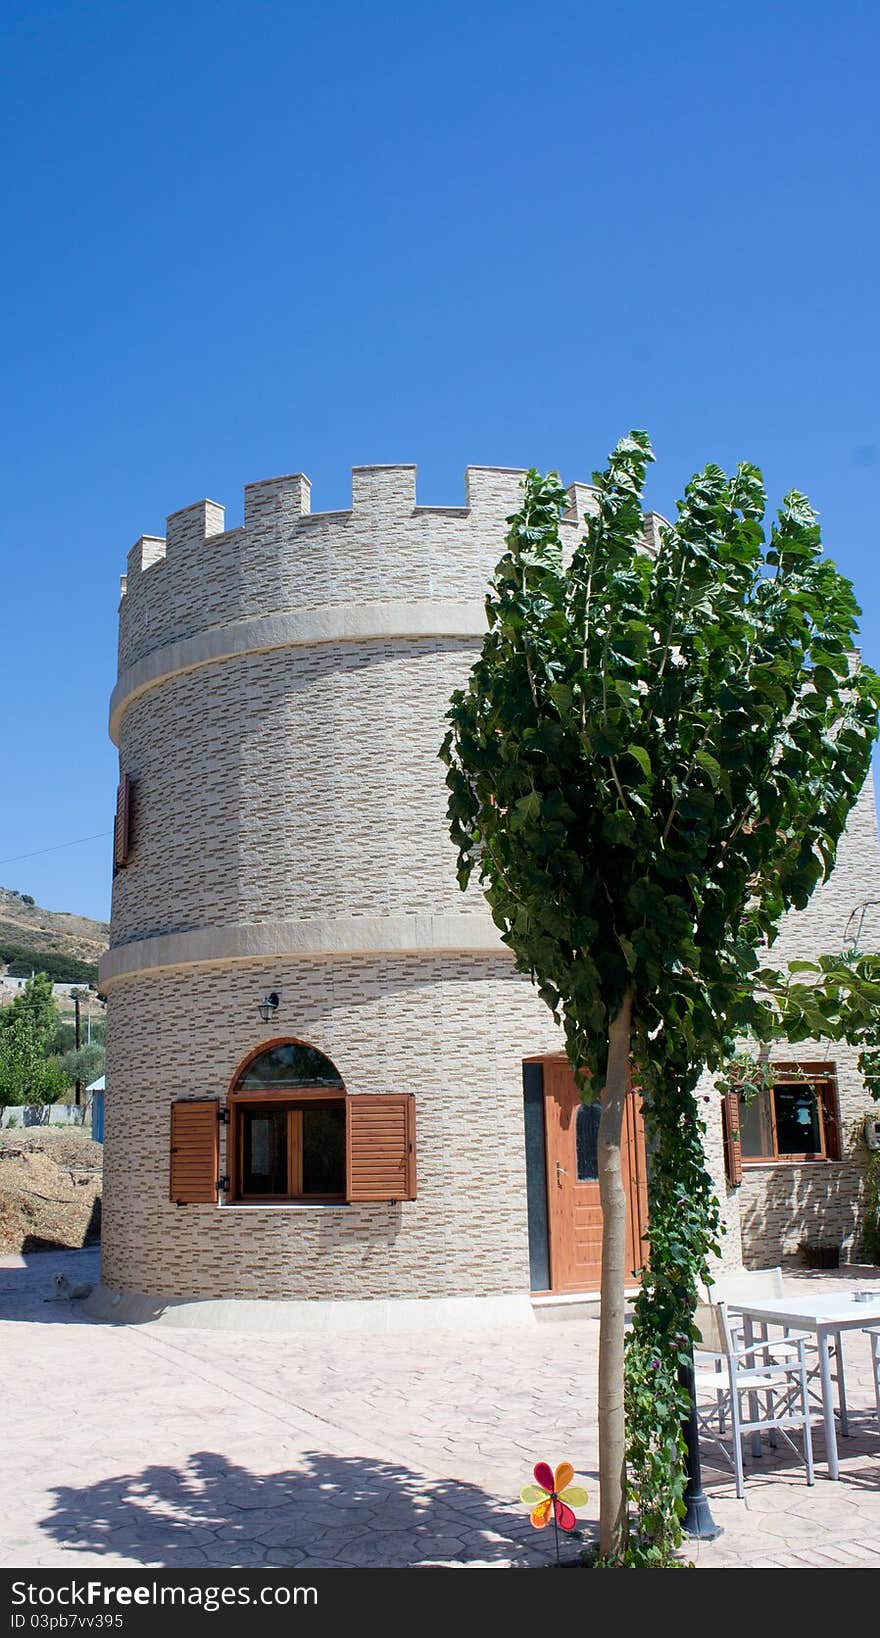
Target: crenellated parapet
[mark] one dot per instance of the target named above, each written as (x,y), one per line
(284,557)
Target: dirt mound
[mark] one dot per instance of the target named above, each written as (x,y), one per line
(50,1189)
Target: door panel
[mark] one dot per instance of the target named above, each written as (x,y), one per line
(573,1209)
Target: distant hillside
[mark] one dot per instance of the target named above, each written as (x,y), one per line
(65,946)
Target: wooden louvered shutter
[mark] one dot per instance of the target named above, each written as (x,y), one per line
(382,1147)
(122,825)
(195,1151)
(826,1094)
(732,1145)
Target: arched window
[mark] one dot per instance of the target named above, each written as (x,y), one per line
(288,1064)
(293,1146)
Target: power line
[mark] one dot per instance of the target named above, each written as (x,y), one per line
(57,848)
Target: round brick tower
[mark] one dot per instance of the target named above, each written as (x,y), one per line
(285,885)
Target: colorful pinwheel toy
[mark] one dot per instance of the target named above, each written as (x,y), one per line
(553,1496)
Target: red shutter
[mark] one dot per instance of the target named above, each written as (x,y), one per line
(382,1147)
(195,1151)
(732,1146)
(122,825)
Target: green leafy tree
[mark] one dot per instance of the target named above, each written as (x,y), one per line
(653,760)
(835,998)
(27,1075)
(30,1072)
(36,1001)
(64,1038)
(84,1064)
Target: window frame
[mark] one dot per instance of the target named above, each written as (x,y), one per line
(822,1079)
(295,1098)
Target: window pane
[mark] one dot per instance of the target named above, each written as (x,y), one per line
(264,1167)
(291,1064)
(323,1142)
(797,1120)
(587,1134)
(755,1130)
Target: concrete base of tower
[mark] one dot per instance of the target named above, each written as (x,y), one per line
(320,1317)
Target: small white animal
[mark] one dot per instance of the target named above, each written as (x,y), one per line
(63,1288)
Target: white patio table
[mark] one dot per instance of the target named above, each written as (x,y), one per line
(825,1317)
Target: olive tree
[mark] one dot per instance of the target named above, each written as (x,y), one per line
(653,760)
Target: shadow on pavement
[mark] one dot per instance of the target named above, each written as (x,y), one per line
(27,1282)
(330,1511)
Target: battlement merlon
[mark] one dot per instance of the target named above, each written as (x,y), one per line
(383,488)
(193,525)
(583,503)
(276,504)
(654,523)
(144,553)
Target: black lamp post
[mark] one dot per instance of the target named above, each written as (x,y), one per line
(698,1522)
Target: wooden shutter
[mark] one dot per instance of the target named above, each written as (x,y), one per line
(382,1147)
(195,1151)
(122,825)
(732,1146)
(826,1094)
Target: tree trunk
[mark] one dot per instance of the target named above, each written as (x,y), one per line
(612,1433)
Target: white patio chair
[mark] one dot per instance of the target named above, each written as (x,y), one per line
(727,1285)
(872,1332)
(756,1283)
(777,1390)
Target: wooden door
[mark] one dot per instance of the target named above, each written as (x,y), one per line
(574,1215)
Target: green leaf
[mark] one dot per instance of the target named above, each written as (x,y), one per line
(824,680)
(640,755)
(529,806)
(629,954)
(711,766)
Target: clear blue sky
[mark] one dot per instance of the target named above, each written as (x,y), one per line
(250,238)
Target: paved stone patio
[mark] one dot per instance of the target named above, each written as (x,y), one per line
(146,1446)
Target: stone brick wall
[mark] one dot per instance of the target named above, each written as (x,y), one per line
(299,783)
(451,1030)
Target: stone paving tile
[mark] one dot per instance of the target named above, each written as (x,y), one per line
(195,1447)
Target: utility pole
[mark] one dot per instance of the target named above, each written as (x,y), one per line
(78,1038)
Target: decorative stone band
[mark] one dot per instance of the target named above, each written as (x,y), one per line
(334,623)
(338,936)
